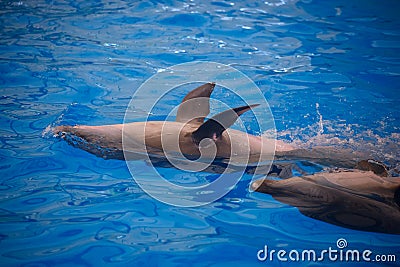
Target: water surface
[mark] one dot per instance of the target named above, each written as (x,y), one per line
(329,69)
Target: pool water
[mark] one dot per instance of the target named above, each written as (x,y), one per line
(330,71)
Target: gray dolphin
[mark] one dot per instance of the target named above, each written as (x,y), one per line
(355,199)
(184,135)
(188,131)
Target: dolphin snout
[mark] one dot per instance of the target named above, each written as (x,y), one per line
(263,185)
(60,131)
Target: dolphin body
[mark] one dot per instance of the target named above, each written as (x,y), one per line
(354,199)
(190,134)
(185,135)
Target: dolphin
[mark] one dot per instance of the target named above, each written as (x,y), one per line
(355,199)
(190,134)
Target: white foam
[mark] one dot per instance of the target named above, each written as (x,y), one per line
(384,147)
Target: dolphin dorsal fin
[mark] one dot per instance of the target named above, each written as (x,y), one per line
(195,110)
(215,126)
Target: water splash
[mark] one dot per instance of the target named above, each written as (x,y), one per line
(341,135)
(320,122)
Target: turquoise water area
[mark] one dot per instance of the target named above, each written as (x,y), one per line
(330,71)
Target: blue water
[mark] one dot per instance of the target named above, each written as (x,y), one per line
(330,71)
